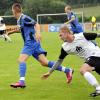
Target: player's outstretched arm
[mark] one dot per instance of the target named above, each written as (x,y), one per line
(58,63)
(91,36)
(69,21)
(10,31)
(46,75)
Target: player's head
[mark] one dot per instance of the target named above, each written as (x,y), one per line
(16,9)
(64,32)
(68,9)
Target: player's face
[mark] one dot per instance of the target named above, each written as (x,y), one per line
(63,35)
(14,13)
(67,10)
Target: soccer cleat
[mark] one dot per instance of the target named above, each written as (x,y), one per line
(18,84)
(96,93)
(69,75)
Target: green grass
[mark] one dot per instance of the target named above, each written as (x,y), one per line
(89,11)
(55,88)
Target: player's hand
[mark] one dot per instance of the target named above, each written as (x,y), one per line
(46,75)
(38,37)
(66,23)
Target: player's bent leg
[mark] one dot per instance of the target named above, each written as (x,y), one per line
(85,68)
(22,71)
(86,72)
(68,71)
(43,60)
(23,58)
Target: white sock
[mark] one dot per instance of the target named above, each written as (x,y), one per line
(91,79)
(63,68)
(98,88)
(22,78)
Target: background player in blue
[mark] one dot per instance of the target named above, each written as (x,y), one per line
(30,32)
(73,20)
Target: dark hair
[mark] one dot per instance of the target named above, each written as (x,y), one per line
(17,7)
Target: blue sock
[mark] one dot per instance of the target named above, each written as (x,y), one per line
(60,68)
(22,69)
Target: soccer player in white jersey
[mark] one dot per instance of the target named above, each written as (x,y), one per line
(3,30)
(80,45)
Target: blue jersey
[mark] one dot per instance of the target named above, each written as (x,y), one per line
(75,26)
(31,46)
(26,25)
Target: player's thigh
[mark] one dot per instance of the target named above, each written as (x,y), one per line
(25,53)
(43,60)
(40,55)
(85,67)
(23,57)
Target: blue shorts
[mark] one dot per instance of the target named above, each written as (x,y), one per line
(33,51)
(77,30)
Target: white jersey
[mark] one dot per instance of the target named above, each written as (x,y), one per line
(2,25)
(81,47)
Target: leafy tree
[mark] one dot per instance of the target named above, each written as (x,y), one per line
(34,7)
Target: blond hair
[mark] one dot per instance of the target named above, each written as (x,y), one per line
(64,27)
(68,7)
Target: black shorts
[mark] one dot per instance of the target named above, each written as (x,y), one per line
(2,32)
(94,62)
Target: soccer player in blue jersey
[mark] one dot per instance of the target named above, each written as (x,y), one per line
(73,20)
(30,32)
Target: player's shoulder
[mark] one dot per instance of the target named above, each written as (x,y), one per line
(25,16)
(64,44)
(29,19)
(79,35)
(73,13)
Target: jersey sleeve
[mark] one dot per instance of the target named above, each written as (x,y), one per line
(72,15)
(63,54)
(90,36)
(59,61)
(29,21)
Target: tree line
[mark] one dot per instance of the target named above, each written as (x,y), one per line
(33,7)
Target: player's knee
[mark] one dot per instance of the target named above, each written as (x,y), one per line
(82,71)
(43,63)
(20,60)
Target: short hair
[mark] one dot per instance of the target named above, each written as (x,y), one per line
(17,7)
(64,27)
(68,7)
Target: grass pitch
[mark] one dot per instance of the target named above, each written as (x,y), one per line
(55,88)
